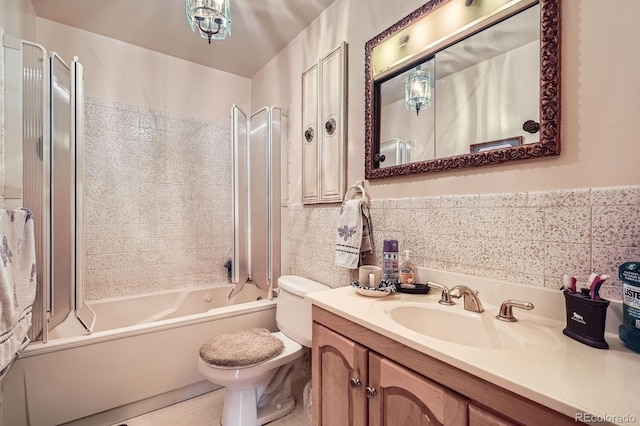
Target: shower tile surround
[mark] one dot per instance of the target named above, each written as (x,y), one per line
(530,238)
(157,200)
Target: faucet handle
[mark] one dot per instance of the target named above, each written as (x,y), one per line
(506,309)
(445,298)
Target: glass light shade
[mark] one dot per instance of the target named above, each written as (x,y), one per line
(417,90)
(211,18)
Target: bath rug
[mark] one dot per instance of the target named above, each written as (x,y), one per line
(241,349)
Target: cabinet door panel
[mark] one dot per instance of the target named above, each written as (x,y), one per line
(403,408)
(336,361)
(333,125)
(310,135)
(406,398)
(481,417)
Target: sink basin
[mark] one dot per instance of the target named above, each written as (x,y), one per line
(484,331)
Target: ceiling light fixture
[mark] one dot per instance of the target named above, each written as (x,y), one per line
(417,90)
(210,17)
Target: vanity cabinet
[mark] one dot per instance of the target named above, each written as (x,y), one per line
(411,388)
(358,387)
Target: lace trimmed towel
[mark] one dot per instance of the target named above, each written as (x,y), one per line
(17,282)
(354,233)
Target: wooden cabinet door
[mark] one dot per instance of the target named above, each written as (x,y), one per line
(481,417)
(400,397)
(339,377)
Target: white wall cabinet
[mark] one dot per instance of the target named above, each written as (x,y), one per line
(324,128)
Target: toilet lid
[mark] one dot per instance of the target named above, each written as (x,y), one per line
(241,349)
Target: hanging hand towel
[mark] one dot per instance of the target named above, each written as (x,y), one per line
(17,282)
(354,233)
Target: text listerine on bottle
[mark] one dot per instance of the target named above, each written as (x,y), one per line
(631,300)
(629,330)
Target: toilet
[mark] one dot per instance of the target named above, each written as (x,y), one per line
(261,392)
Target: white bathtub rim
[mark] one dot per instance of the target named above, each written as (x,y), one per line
(176,291)
(64,343)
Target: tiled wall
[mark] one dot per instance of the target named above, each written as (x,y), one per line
(158,216)
(529,237)
(157,200)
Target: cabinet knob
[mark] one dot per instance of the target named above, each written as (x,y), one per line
(308,134)
(330,126)
(355,383)
(371,392)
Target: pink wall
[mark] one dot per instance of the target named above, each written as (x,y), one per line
(600,101)
(129,74)
(18,19)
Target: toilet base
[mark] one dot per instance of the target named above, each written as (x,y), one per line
(269,413)
(240,409)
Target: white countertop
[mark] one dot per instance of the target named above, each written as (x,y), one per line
(572,378)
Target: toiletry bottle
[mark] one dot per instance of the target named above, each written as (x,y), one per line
(407,271)
(629,330)
(390,261)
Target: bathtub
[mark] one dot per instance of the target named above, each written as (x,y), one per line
(142,355)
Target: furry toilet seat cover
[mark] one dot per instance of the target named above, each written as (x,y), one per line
(241,349)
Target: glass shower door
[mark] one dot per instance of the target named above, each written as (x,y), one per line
(241,263)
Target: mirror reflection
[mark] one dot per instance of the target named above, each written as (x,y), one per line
(407,116)
(473,96)
(463,84)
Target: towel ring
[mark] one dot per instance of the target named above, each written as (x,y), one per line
(358,187)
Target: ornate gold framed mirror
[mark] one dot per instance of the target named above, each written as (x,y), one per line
(463,83)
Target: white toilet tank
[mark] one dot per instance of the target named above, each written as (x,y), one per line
(293,312)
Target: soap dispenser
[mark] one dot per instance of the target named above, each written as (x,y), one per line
(407,271)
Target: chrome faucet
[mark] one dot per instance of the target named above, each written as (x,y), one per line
(471,300)
(506,309)
(445,298)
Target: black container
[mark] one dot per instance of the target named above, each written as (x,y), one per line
(586,319)
(419,289)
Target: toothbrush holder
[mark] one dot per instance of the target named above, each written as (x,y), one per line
(586,319)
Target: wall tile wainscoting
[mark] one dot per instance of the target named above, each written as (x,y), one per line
(524,237)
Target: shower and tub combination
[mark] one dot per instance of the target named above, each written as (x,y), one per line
(97,356)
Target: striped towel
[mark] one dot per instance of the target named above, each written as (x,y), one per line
(17,282)
(354,233)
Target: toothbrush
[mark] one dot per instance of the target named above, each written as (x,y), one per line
(596,284)
(569,283)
